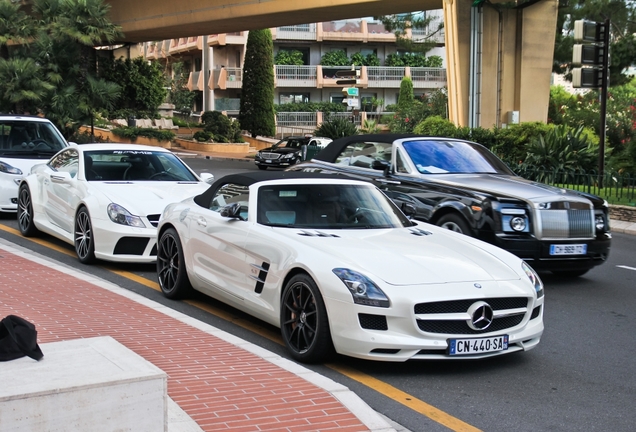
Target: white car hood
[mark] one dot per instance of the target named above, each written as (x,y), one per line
(400,257)
(24,165)
(148,197)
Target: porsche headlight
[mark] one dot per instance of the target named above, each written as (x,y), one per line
(363,290)
(534,279)
(120,215)
(6,168)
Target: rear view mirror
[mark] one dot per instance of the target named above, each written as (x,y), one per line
(380,165)
(408,209)
(232,211)
(207,177)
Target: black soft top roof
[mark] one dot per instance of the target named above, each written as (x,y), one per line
(334,148)
(248,178)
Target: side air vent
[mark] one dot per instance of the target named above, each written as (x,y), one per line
(263,269)
(373,322)
(420,232)
(316,234)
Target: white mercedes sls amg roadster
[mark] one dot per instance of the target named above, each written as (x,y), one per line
(338,267)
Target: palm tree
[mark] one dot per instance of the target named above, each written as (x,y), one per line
(16,26)
(22,86)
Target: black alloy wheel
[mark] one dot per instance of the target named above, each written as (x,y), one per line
(171,270)
(304,323)
(84,240)
(25,213)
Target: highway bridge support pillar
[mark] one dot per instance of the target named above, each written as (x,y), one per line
(514,68)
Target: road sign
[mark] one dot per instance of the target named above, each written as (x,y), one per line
(351,102)
(351,92)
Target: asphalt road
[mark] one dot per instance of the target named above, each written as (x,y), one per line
(580,377)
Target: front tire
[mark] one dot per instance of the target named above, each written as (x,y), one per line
(303,321)
(454,222)
(171,269)
(84,239)
(25,213)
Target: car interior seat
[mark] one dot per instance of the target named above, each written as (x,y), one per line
(325,210)
(139,169)
(19,137)
(89,172)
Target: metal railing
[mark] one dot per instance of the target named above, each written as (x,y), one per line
(297,32)
(295,76)
(356,119)
(234,77)
(422,74)
(615,188)
(385,76)
(295,119)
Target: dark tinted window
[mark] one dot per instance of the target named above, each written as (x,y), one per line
(23,138)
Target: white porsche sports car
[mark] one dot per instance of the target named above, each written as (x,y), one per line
(336,265)
(105,199)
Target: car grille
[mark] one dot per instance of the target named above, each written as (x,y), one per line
(154,219)
(460,326)
(272,156)
(564,220)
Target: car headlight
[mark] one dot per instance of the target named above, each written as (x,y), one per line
(6,168)
(290,155)
(363,290)
(120,215)
(534,279)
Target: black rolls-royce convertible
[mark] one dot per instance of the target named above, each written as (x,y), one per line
(462,186)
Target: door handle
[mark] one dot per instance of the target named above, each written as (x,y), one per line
(385,181)
(202,222)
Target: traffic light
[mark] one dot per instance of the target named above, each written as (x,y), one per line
(353,76)
(592,54)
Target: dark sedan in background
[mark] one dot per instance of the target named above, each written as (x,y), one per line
(462,186)
(290,151)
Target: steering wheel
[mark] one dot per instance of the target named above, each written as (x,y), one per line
(163,173)
(39,142)
(357,215)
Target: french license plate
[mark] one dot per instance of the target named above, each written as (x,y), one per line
(477,346)
(569,249)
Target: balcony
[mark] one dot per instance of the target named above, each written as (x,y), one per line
(295,76)
(226,78)
(295,32)
(385,76)
(428,77)
(184,44)
(195,81)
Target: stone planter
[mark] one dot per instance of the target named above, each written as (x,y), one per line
(109,136)
(240,149)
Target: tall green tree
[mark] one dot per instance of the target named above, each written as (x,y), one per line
(180,96)
(402,24)
(405,97)
(256,113)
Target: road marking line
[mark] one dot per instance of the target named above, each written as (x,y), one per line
(381,387)
(626,267)
(406,399)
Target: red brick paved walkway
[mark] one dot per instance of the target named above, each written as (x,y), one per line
(221,386)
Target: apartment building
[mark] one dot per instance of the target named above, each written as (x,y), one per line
(222,55)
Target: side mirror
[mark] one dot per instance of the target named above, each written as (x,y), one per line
(380,165)
(232,211)
(61,177)
(408,209)
(207,177)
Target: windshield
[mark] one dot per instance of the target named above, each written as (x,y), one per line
(452,157)
(327,206)
(24,138)
(290,143)
(138,165)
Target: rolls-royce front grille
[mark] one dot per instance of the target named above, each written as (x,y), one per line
(272,156)
(507,312)
(567,220)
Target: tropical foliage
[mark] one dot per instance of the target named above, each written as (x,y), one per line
(336,127)
(289,57)
(335,58)
(219,128)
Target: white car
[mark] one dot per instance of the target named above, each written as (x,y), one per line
(336,265)
(105,199)
(24,142)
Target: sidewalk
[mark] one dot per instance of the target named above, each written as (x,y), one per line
(216,381)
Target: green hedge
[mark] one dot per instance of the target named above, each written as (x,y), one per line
(133,132)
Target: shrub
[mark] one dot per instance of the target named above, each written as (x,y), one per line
(336,128)
(436,126)
(133,132)
(335,58)
(369,127)
(220,127)
(289,57)
(324,107)
(405,98)
(85,138)
(202,136)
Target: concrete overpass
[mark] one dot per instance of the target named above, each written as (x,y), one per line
(499,55)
